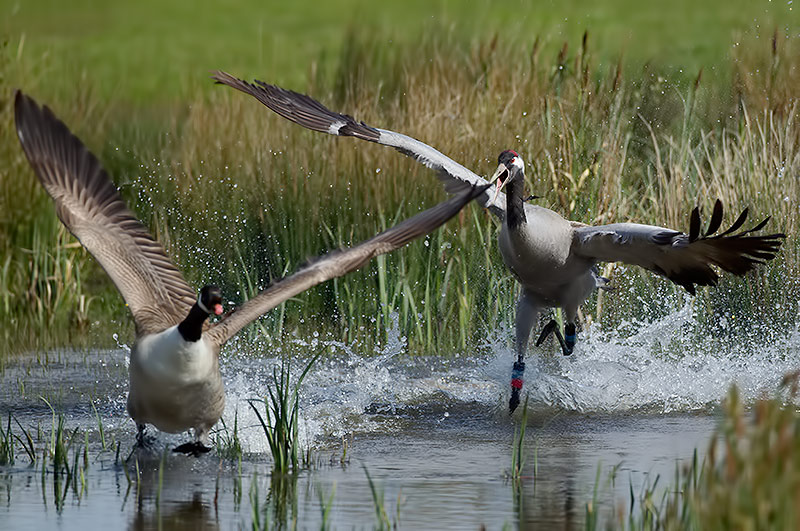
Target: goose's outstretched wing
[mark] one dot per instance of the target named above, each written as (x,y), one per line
(685,259)
(311,114)
(88,204)
(339,263)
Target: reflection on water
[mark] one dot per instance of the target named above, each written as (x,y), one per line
(194,514)
(432,432)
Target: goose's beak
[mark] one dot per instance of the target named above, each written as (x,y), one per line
(501,169)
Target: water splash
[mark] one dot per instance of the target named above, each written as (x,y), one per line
(662,365)
(666,365)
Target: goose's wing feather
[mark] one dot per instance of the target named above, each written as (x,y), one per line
(685,259)
(311,114)
(339,263)
(89,205)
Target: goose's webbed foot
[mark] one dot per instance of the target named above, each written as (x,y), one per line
(195,449)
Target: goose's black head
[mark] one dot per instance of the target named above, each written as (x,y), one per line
(510,167)
(210,300)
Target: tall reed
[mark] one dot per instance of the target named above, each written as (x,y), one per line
(241,197)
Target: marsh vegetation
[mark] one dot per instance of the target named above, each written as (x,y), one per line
(243,206)
(240,197)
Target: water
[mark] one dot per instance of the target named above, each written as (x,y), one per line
(432,432)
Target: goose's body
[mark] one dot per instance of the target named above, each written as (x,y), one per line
(175,383)
(554,259)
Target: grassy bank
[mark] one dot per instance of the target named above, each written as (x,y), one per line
(241,197)
(749,479)
(150,53)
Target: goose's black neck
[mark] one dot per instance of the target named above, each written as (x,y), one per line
(515,205)
(191,328)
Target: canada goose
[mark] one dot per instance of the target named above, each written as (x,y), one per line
(553,259)
(175,383)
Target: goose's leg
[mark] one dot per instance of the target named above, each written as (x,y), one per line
(527,313)
(139,435)
(139,441)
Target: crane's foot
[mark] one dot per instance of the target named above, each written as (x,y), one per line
(567,343)
(516,385)
(195,449)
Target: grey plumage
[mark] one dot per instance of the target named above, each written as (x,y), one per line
(175,384)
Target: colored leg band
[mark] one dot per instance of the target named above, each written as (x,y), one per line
(516,374)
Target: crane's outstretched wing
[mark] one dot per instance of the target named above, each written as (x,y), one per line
(339,263)
(685,259)
(311,114)
(88,204)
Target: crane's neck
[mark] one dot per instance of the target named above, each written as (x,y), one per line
(515,206)
(191,328)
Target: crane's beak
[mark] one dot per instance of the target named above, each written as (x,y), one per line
(501,169)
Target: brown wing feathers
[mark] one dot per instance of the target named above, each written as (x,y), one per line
(341,262)
(89,205)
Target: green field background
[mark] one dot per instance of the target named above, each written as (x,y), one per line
(150,51)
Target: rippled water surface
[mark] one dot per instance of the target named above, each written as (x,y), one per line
(432,432)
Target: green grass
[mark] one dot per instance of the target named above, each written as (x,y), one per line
(7,444)
(518,448)
(281,418)
(148,51)
(383,521)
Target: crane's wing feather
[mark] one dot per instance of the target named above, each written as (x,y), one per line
(685,259)
(339,263)
(89,205)
(311,114)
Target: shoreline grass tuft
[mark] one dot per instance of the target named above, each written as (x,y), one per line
(749,478)
(281,418)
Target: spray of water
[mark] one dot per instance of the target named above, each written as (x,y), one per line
(663,365)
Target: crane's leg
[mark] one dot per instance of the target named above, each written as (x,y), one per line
(527,313)
(569,329)
(567,341)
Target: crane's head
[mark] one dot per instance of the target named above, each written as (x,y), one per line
(510,166)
